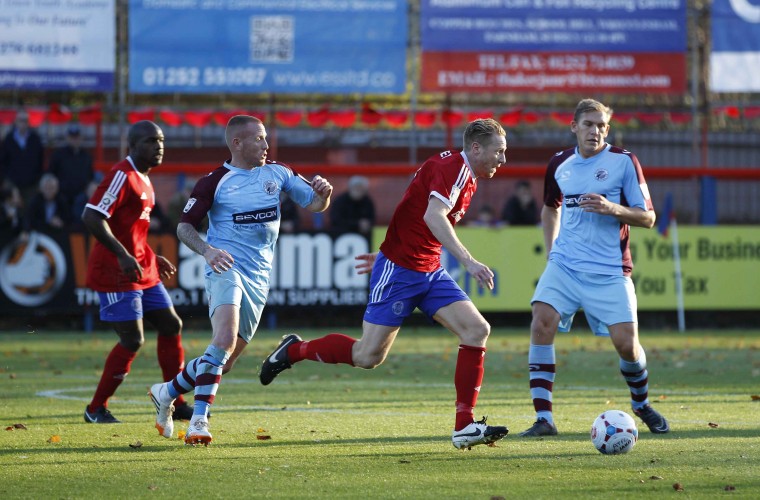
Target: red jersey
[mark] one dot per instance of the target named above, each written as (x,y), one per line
(126,198)
(409,242)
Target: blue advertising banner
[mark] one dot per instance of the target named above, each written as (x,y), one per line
(554,25)
(251,46)
(735,56)
(57,45)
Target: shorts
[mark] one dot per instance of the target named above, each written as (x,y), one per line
(606,300)
(231,287)
(396,291)
(130,305)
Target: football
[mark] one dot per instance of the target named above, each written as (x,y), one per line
(614,432)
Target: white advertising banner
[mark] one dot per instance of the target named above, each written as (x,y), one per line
(57,44)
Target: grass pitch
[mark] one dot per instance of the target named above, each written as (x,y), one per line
(339,432)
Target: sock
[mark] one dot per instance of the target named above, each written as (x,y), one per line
(468,376)
(208,377)
(542,365)
(332,349)
(171,358)
(637,377)
(184,382)
(115,370)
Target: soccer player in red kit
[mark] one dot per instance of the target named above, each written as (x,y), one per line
(407,274)
(126,273)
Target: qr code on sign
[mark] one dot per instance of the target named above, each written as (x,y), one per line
(272,39)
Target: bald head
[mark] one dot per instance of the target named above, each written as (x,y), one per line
(140,130)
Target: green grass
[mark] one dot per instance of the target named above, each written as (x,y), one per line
(340,432)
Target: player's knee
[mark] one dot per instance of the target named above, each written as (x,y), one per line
(476,333)
(132,343)
(368,360)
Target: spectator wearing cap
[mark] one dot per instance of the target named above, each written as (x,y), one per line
(72,165)
(22,156)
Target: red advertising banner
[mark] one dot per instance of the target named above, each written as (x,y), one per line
(560,71)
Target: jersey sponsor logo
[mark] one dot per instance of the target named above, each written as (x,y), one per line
(446,154)
(601,174)
(271,188)
(573,200)
(256,216)
(189,205)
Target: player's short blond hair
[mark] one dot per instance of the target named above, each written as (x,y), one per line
(586,105)
(481,131)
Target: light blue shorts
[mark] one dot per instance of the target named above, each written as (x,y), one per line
(396,291)
(129,306)
(232,288)
(606,300)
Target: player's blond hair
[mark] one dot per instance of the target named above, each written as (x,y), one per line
(481,131)
(586,105)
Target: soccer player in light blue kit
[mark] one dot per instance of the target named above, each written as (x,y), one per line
(593,193)
(241,200)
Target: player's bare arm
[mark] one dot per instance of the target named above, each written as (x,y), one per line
(322,191)
(550,218)
(99,228)
(633,216)
(436,219)
(219,260)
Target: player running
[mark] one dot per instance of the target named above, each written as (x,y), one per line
(407,274)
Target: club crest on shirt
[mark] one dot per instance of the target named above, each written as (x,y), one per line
(189,205)
(398,308)
(601,174)
(271,188)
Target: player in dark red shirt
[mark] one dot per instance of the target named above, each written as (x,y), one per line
(407,274)
(126,273)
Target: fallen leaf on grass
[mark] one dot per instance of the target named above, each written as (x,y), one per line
(136,444)
(152,487)
(755,397)
(713,425)
(181,434)
(54,439)
(19,426)
(655,478)
(404,462)
(663,396)
(678,486)
(263,437)
(729,487)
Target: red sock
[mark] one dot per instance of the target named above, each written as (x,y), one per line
(115,370)
(467,379)
(333,349)
(171,358)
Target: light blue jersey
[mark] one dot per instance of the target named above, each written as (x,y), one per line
(589,242)
(243,208)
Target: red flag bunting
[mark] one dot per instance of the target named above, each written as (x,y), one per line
(396,118)
(510,118)
(451,118)
(532,117)
(319,117)
(58,114)
(344,118)
(649,118)
(7,116)
(91,115)
(370,116)
(623,118)
(140,115)
(680,118)
(198,119)
(289,118)
(171,118)
(479,115)
(562,118)
(752,112)
(424,119)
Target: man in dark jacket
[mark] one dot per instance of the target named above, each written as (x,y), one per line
(21,157)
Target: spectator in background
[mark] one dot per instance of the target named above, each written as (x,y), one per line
(177,204)
(485,218)
(48,210)
(521,209)
(21,157)
(290,220)
(11,212)
(72,165)
(80,201)
(354,210)
(159,222)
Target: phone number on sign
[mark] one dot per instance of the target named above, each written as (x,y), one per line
(190,76)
